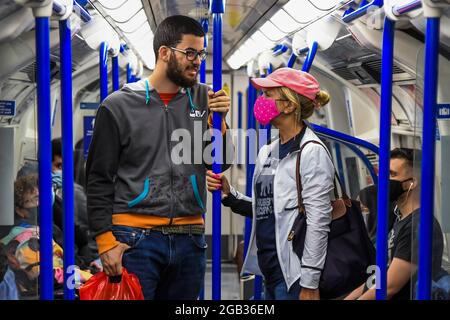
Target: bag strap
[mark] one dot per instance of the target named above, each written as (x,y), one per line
(298,179)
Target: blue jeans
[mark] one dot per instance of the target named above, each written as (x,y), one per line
(169,266)
(279,291)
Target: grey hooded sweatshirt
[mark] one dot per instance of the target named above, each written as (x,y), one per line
(134,158)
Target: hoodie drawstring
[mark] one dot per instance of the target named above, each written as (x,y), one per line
(147,92)
(191,104)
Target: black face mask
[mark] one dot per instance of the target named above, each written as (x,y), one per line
(396,189)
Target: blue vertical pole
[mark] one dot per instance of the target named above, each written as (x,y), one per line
(217,9)
(428,158)
(203,72)
(239,109)
(239,139)
(264,128)
(258,288)
(203,65)
(268,127)
(115,73)
(203,80)
(250,161)
(103,63)
(310,57)
(67,155)
(387,62)
(128,73)
(44,157)
(250,166)
(258,279)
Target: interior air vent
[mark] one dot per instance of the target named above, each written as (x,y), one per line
(369,72)
(343,72)
(356,74)
(30,70)
(374,69)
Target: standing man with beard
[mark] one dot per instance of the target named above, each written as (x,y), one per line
(145,205)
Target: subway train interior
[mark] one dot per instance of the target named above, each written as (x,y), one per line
(384,64)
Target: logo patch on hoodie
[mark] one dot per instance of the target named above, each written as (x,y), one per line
(197,113)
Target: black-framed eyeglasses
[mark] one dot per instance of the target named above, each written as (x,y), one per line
(192,54)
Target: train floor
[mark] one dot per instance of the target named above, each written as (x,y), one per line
(229,282)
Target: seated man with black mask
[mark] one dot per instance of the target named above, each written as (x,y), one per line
(404,191)
(85,246)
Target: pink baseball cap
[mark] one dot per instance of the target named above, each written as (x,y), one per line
(301,82)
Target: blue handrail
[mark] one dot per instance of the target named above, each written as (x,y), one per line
(115,73)
(67,156)
(398,9)
(279,49)
(77,8)
(310,57)
(339,136)
(44,157)
(350,142)
(292,60)
(428,158)
(84,14)
(351,15)
(366,161)
(103,65)
(387,62)
(217,9)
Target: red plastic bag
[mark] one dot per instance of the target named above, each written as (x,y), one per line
(102,287)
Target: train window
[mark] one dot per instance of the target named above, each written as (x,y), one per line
(302,11)
(133,24)
(262,40)
(122,13)
(272,32)
(284,21)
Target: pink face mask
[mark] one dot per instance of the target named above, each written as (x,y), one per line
(265,110)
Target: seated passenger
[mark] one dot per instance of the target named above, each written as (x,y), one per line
(290,97)
(85,245)
(404,189)
(369,207)
(8,288)
(22,242)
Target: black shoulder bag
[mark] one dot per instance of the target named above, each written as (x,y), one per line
(350,251)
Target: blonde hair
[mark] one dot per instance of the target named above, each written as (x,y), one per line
(303,105)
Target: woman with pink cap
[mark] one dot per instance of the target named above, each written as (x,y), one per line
(289,98)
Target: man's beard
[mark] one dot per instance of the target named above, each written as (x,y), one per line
(175,74)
